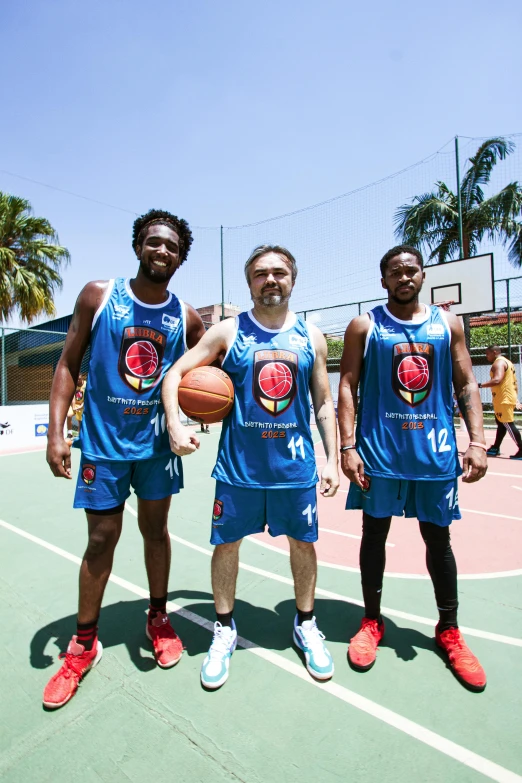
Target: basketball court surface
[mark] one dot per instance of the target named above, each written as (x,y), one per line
(406,719)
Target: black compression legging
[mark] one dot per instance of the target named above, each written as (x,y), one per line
(440,562)
(502,428)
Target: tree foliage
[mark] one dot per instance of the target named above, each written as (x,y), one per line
(30,261)
(431,219)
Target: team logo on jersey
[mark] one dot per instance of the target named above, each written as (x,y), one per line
(435,330)
(298,341)
(120,311)
(217,512)
(141,356)
(88,473)
(275,380)
(170,322)
(412,372)
(386,331)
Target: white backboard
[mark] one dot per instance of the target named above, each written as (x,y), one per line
(469,283)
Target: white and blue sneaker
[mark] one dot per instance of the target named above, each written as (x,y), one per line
(309,639)
(214,671)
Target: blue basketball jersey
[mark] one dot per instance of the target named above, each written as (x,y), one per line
(266,440)
(132,346)
(405,416)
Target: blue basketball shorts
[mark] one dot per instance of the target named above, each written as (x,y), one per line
(427,501)
(240,512)
(105,484)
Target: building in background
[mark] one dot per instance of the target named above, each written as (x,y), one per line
(211,314)
(28,357)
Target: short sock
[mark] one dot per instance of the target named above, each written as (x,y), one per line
(225,619)
(157,606)
(303,617)
(86,633)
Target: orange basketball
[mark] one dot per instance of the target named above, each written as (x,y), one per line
(206,394)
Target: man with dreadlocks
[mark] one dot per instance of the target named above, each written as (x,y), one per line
(136,330)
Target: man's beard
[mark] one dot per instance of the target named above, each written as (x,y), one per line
(156,275)
(412,298)
(271,299)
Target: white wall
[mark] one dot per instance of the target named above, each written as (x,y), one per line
(23,426)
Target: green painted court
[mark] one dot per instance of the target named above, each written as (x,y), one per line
(408,719)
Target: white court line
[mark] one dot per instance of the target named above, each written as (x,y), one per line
(430,738)
(346,535)
(16,453)
(492,637)
(490,514)
(520,488)
(474,511)
(506,475)
(391,574)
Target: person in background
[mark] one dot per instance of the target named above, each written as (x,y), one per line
(76,407)
(504,390)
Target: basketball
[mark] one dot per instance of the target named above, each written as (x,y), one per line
(413,372)
(275,380)
(206,394)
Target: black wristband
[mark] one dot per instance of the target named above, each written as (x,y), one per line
(346,448)
(480,386)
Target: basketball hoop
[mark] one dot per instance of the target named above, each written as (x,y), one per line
(445,305)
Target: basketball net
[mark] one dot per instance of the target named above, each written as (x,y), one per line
(445,305)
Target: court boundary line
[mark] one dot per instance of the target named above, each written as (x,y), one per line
(346,535)
(488,635)
(467,510)
(393,719)
(36,450)
(392,575)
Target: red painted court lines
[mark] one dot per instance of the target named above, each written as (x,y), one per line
(487,540)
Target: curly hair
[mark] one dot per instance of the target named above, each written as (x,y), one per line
(180,226)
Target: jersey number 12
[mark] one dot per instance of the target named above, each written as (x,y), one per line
(442,438)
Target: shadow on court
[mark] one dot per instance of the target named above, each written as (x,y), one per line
(123,623)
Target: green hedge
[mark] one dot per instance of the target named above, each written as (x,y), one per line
(482,336)
(335,348)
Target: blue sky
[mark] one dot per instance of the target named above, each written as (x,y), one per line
(233,112)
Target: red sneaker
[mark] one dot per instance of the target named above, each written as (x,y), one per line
(77,662)
(362,650)
(464,665)
(167,645)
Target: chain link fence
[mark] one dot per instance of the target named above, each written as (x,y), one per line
(28,359)
(338,243)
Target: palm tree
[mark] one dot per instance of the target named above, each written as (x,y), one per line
(432,219)
(30,261)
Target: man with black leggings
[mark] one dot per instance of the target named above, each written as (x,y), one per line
(504,390)
(403,459)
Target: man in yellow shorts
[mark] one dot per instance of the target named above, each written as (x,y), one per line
(76,407)
(504,388)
